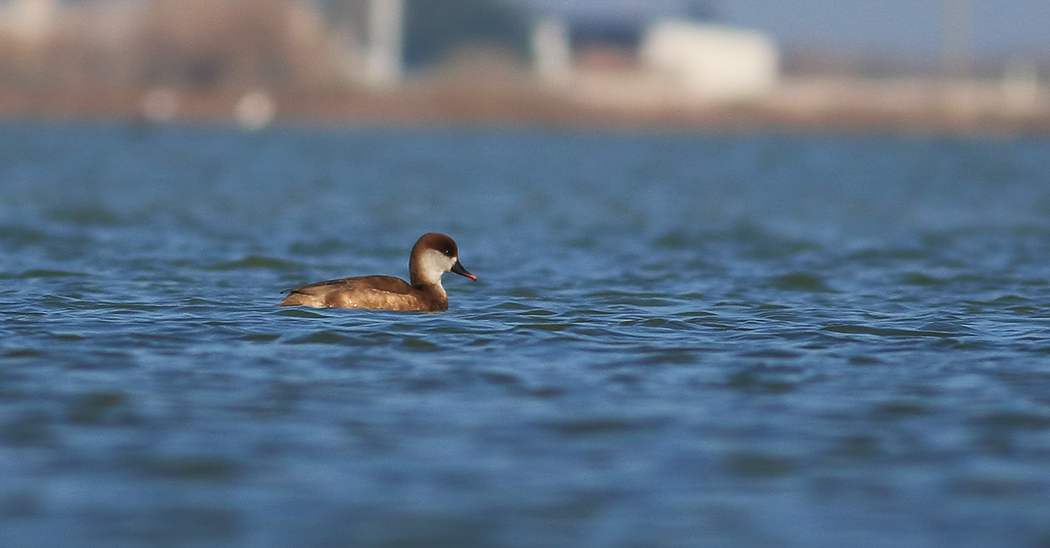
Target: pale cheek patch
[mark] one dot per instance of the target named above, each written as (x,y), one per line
(436,261)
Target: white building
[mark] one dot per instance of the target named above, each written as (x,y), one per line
(711,62)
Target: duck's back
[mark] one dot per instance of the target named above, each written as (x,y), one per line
(372,292)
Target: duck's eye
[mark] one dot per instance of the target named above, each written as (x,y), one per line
(447,252)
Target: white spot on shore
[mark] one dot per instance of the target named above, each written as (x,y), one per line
(255,110)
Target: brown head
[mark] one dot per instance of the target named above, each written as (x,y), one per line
(433,255)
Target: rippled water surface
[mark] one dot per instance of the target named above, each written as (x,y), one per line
(675,340)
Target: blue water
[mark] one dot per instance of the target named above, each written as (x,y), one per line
(676,339)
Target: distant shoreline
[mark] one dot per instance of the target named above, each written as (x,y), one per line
(892,106)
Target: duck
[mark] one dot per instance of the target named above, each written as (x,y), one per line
(433,255)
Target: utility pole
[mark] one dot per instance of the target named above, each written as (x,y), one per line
(385,36)
(958,47)
(552,51)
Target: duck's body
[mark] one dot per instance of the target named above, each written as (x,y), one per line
(371,292)
(433,255)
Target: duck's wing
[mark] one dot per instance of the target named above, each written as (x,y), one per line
(387,284)
(358,292)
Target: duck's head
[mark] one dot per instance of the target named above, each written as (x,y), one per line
(433,255)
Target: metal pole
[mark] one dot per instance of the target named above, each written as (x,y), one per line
(385,21)
(958,54)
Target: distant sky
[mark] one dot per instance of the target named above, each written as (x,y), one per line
(999,28)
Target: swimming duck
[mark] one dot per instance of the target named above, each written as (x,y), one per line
(433,255)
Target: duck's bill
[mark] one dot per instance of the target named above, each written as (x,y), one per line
(458,269)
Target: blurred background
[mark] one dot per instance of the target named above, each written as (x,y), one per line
(832,330)
(912,64)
